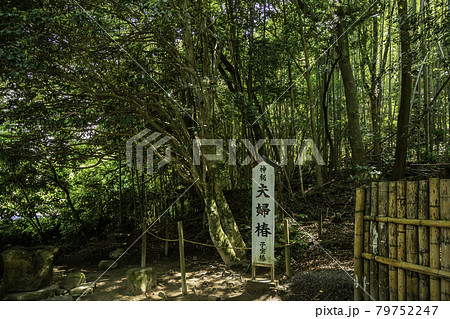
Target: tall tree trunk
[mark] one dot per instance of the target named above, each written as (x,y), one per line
(223,229)
(374,94)
(307,75)
(222,226)
(351,97)
(401,147)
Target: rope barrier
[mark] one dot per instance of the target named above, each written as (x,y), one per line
(163,239)
(211,245)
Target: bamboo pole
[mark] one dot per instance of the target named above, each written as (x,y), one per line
(445,244)
(408,266)
(358,247)
(373,248)
(412,255)
(182,261)
(366,281)
(424,254)
(435,284)
(383,207)
(401,252)
(406,221)
(392,229)
(287,248)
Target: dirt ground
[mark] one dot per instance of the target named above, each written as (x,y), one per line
(322,272)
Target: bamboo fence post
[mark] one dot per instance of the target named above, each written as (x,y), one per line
(383,207)
(374,242)
(366,281)
(287,248)
(392,229)
(401,251)
(182,261)
(424,254)
(412,256)
(435,284)
(358,248)
(445,244)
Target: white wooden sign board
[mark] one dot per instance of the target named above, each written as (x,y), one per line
(263,214)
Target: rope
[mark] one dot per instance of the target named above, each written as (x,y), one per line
(164,239)
(214,246)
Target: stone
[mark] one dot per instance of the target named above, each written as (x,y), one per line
(28,269)
(73,280)
(61,298)
(104,264)
(40,294)
(116,253)
(140,280)
(85,289)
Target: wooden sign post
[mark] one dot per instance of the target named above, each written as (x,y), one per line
(263,218)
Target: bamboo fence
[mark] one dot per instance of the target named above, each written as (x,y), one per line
(402,241)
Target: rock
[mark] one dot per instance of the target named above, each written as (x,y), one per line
(85,289)
(73,280)
(28,269)
(40,294)
(105,264)
(61,298)
(141,280)
(162,295)
(116,253)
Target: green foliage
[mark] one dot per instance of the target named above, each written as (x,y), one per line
(76,81)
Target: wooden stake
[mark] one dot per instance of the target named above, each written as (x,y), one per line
(424,254)
(144,243)
(412,255)
(320,220)
(358,248)
(182,261)
(445,244)
(383,207)
(366,279)
(373,242)
(392,229)
(166,244)
(287,248)
(435,284)
(401,251)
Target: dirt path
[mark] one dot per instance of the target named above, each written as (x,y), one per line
(205,281)
(319,273)
(213,281)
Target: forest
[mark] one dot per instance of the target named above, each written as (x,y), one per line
(366,82)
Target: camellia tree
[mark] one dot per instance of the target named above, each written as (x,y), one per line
(80,78)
